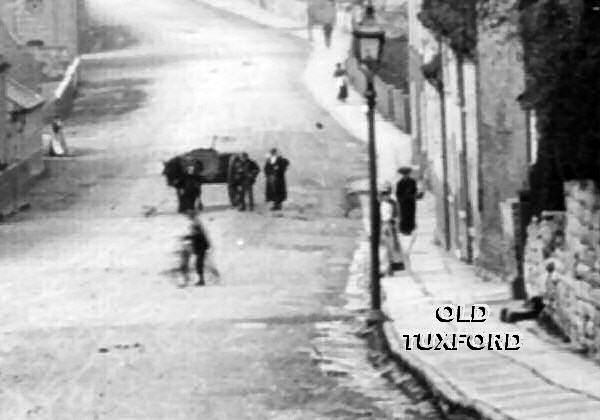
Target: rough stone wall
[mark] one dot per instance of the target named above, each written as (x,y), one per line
(502,130)
(562,265)
(23,66)
(55,22)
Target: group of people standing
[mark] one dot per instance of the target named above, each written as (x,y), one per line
(244,172)
(398,216)
(196,244)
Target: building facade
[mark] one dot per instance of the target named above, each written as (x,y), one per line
(49,23)
(471,134)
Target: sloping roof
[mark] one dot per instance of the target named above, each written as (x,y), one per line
(20,96)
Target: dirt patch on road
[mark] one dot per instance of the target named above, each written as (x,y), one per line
(107,99)
(99,38)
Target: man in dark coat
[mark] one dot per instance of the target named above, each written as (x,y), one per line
(189,188)
(406,196)
(275,168)
(235,177)
(249,171)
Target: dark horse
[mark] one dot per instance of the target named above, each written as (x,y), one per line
(184,177)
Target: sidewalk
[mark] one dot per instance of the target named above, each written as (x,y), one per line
(544,379)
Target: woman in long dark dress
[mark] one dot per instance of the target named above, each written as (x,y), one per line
(406,196)
(275,168)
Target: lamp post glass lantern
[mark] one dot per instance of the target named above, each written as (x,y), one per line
(368,41)
(369,38)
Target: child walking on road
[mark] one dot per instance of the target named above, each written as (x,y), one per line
(196,243)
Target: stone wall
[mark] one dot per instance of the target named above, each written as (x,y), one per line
(392,103)
(54,22)
(502,130)
(562,264)
(23,66)
(16,180)
(65,92)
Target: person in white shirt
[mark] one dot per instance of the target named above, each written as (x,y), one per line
(389,234)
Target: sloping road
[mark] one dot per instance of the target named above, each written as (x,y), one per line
(91,323)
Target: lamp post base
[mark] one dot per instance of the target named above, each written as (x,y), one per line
(376,317)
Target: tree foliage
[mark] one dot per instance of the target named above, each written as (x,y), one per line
(561,46)
(562,59)
(455,20)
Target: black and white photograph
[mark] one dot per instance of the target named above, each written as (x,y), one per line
(300,210)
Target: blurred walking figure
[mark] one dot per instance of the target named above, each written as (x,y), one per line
(341,77)
(329,17)
(198,244)
(250,171)
(185,257)
(389,233)
(276,189)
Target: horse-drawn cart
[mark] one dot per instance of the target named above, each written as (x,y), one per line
(200,166)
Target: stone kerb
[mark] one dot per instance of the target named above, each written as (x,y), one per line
(562,264)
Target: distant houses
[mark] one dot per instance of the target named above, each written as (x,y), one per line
(39,43)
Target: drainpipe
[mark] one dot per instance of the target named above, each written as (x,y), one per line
(464,161)
(446,189)
(4,152)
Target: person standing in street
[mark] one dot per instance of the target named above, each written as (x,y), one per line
(235,178)
(406,195)
(250,171)
(341,77)
(189,188)
(276,189)
(58,145)
(389,232)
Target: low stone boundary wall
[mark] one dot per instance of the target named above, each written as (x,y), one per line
(16,180)
(562,264)
(65,93)
(392,103)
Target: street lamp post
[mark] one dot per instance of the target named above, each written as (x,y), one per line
(368,39)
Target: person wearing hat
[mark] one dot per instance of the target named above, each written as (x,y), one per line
(389,235)
(276,190)
(406,196)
